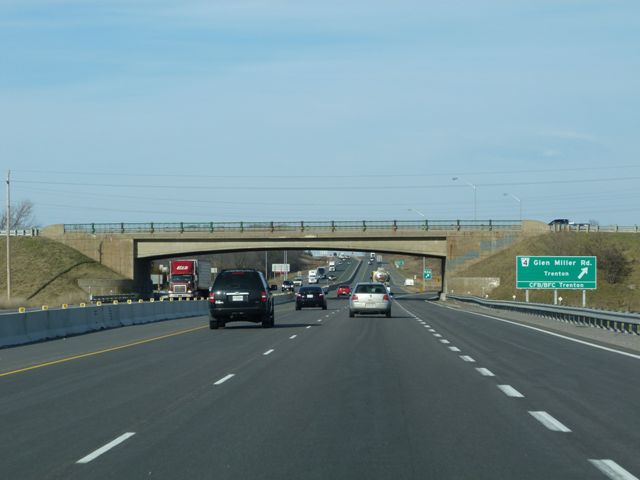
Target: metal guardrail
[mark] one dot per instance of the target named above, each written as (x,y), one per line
(117,297)
(29,232)
(616,321)
(361,225)
(587,228)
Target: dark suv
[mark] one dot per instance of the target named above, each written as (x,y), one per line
(311,296)
(240,295)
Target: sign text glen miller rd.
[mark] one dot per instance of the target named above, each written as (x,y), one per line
(556,273)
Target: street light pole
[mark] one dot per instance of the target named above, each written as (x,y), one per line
(475,197)
(517,200)
(7,227)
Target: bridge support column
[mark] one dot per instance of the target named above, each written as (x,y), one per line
(443,293)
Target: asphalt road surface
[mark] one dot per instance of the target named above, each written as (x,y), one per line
(431,393)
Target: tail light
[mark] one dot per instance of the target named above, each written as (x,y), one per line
(354,297)
(386,297)
(263,297)
(212,297)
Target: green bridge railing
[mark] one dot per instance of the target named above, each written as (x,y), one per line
(361,225)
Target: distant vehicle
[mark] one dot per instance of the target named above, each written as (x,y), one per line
(372,256)
(297,281)
(321,273)
(313,276)
(331,278)
(560,221)
(189,278)
(311,296)
(370,298)
(380,275)
(370,262)
(287,286)
(241,295)
(343,291)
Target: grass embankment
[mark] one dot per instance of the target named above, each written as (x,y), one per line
(621,294)
(45,272)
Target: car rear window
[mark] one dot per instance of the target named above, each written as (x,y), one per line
(237,280)
(371,289)
(310,289)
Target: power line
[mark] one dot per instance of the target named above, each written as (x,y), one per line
(381,175)
(333,187)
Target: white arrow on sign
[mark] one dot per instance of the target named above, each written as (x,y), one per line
(583,272)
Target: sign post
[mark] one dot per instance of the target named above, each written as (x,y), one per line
(426,275)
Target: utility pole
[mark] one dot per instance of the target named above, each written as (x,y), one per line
(7,227)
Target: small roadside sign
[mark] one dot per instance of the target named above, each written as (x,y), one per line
(427,274)
(280,267)
(557,273)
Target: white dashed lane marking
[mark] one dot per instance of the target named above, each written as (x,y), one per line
(268,352)
(106,448)
(467,358)
(437,335)
(444,341)
(509,391)
(225,378)
(292,337)
(454,349)
(485,372)
(548,421)
(612,470)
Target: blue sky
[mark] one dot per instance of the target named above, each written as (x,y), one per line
(154,110)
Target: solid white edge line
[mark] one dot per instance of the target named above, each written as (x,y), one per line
(106,448)
(485,372)
(225,378)
(454,349)
(467,358)
(541,330)
(612,470)
(548,421)
(268,352)
(509,391)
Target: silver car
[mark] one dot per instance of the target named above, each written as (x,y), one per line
(370,297)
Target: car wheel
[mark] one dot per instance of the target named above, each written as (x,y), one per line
(388,313)
(213,324)
(351,314)
(267,321)
(324,307)
(298,307)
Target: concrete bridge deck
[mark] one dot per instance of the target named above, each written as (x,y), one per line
(128,248)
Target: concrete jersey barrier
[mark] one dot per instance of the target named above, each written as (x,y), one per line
(39,325)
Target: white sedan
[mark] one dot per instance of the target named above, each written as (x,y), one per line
(370,298)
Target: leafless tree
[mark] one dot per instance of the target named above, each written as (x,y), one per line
(21,216)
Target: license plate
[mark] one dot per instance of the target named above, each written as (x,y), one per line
(309,296)
(369,305)
(237,298)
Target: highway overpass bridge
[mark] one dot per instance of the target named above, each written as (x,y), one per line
(128,248)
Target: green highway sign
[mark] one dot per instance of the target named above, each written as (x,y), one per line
(399,263)
(556,273)
(426,274)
